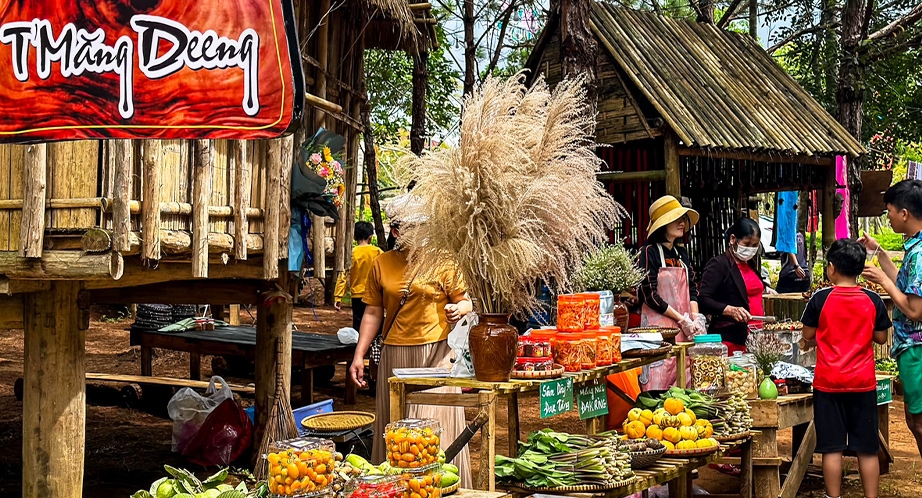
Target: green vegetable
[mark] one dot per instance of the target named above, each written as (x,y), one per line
(449,479)
(450,468)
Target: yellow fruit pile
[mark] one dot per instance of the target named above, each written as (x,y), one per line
(674,425)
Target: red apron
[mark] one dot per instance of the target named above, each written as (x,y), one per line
(672,286)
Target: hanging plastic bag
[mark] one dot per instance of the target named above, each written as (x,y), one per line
(189,409)
(226,434)
(348,335)
(458,342)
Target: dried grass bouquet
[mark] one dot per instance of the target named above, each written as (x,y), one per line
(767,349)
(518,201)
(612,268)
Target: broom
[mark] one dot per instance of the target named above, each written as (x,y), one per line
(281,423)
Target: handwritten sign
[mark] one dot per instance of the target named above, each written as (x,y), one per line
(884,392)
(591,400)
(556,397)
(167,69)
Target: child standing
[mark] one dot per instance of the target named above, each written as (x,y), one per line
(363,255)
(904,209)
(844,320)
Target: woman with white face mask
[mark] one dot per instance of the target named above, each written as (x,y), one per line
(731,287)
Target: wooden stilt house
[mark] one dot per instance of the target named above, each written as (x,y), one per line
(691,110)
(175,222)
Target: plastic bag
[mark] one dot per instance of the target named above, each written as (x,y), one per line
(226,434)
(348,335)
(458,342)
(189,409)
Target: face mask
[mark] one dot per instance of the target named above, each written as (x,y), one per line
(746,253)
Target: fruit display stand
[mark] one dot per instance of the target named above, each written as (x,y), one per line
(768,417)
(484,397)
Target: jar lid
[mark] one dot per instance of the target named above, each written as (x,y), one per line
(569,336)
(545,334)
(570,297)
(610,329)
(708,338)
(533,360)
(590,296)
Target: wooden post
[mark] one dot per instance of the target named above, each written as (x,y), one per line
(203,166)
(485,480)
(318,226)
(32,231)
(672,166)
(287,158)
(121,157)
(829,208)
(151,199)
(241,197)
(273,327)
(54,397)
(273,209)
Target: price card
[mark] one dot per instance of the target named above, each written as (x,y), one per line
(591,400)
(556,397)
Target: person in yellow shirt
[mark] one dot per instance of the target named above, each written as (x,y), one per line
(356,278)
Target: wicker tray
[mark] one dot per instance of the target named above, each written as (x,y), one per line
(642,353)
(577,489)
(732,437)
(451,489)
(669,333)
(338,421)
(557,371)
(697,452)
(644,459)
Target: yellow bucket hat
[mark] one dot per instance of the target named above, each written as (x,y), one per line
(667,209)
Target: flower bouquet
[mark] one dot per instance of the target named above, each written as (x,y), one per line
(328,166)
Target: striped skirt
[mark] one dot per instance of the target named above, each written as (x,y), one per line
(452,418)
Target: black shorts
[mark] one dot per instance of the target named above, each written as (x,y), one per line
(845,421)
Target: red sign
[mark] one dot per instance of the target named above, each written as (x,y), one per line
(166,69)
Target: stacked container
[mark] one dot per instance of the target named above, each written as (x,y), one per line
(413,447)
(300,467)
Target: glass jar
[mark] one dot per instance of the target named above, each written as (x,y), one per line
(603,350)
(742,375)
(413,443)
(568,351)
(708,359)
(375,487)
(589,344)
(615,345)
(570,312)
(543,344)
(606,308)
(534,364)
(592,309)
(426,482)
(300,467)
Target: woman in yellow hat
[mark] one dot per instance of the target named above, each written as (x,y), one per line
(668,292)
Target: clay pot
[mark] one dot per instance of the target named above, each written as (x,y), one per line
(494,345)
(622,315)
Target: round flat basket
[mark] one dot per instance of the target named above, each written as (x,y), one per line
(669,333)
(555,372)
(697,452)
(338,421)
(643,353)
(577,489)
(451,489)
(729,438)
(644,459)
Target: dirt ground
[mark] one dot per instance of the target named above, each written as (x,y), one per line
(126,448)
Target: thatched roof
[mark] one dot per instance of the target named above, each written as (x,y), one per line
(394,24)
(715,88)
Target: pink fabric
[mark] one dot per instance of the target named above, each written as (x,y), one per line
(842,230)
(672,286)
(754,289)
(732,348)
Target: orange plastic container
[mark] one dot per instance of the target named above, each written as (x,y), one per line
(544,338)
(570,312)
(592,306)
(568,351)
(589,346)
(603,348)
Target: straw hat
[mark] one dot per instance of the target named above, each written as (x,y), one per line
(667,209)
(406,208)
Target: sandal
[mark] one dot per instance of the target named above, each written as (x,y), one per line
(727,469)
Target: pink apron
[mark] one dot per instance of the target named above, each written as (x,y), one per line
(672,286)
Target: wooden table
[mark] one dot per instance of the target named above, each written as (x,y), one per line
(401,394)
(308,350)
(473,493)
(677,472)
(768,417)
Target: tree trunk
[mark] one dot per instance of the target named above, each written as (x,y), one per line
(578,47)
(753,19)
(850,96)
(707,12)
(420,77)
(470,54)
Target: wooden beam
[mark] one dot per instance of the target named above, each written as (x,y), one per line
(273,353)
(54,413)
(828,206)
(287,160)
(62,265)
(273,209)
(168,270)
(151,213)
(32,228)
(420,6)
(767,157)
(120,157)
(799,464)
(242,197)
(173,242)
(323,104)
(203,166)
(10,287)
(11,310)
(217,292)
(632,176)
(672,166)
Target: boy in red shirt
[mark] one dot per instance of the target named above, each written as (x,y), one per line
(844,320)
